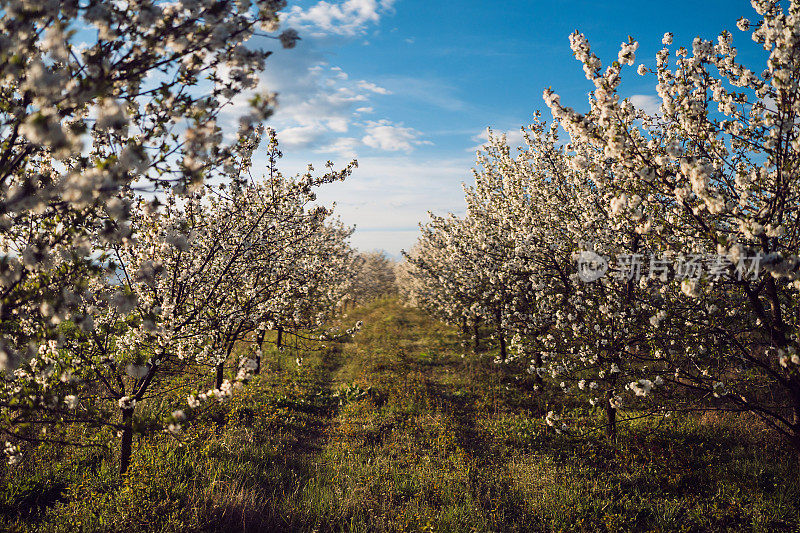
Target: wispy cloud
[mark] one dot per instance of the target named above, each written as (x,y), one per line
(369,86)
(317,102)
(429,91)
(388,196)
(348,18)
(648,103)
(385,135)
(346,147)
(299,135)
(514,138)
(321,107)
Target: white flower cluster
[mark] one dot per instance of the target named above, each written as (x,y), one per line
(642,387)
(177,417)
(554,421)
(12,452)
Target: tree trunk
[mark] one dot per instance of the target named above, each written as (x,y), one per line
(537,360)
(125,448)
(796,430)
(611,418)
(503,351)
(280,336)
(261,336)
(221,367)
(477,336)
(220,375)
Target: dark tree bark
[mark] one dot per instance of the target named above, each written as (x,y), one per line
(221,367)
(611,420)
(537,379)
(796,429)
(611,413)
(261,336)
(501,334)
(126,444)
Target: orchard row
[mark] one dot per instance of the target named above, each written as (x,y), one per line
(142,265)
(714,173)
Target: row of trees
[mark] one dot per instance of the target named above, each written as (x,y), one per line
(374,277)
(649,257)
(138,255)
(206,273)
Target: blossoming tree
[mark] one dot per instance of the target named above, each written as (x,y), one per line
(715,174)
(100,98)
(193,279)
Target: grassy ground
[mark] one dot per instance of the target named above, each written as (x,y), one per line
(395,431)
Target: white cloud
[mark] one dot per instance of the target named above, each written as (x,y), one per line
(343,146)
(342,75)
(350,18)
(648,103)
(316,101)
(369,86)
(385,135)
(317,106)
(388,196)
(513,137)
(338,124)
(319,102)
(298,136)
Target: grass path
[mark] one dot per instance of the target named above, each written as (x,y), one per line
(433,441)
(404,449)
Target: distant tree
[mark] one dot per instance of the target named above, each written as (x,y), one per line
(374,277)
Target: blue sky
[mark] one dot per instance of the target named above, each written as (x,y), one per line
(408,88)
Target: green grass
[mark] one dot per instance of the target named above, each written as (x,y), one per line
(396,431)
